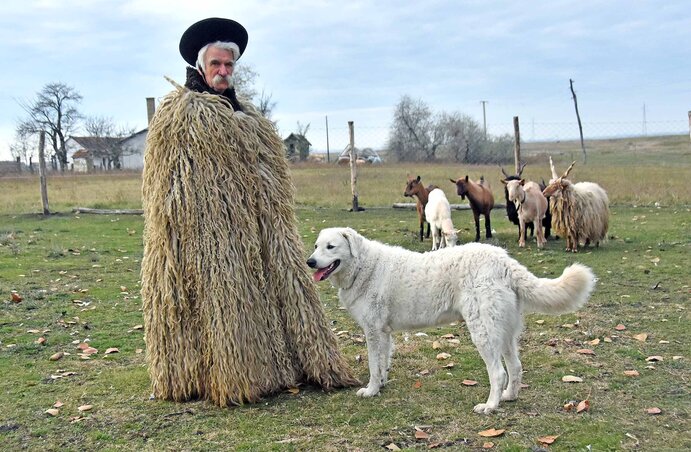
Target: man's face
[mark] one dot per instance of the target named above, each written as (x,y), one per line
(219,65)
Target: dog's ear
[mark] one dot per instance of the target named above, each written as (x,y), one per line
(353,239)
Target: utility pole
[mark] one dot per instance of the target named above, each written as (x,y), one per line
(645,124)
(484,117)
(328,158)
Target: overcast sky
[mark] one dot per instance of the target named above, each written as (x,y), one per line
(354,60)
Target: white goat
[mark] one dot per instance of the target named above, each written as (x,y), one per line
(531,206)
(580,212)
(438,214)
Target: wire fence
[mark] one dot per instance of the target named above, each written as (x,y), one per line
(336,139)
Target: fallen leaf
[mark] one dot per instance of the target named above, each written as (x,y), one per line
(436,345)
(488,445)
(594,341)
(123,289)
(654,358)
(419,434)
(620,327)
(653,410)
(540,322)
(111,350)
(585,351)
(41,340)
(571,379)
(392,446)
(16,298)
(89,351)
(547,439)
(677,357)
(56,356)
(417,384)
(641,337)
(293,391)
(631,373)
(448,336)
(448,366)
(58,404)
(52,411)
(138,327)
(85,408)
(607,339)
(443,355)
(584,405)
(139,350)
(33,331)
(491,433)
(469,382)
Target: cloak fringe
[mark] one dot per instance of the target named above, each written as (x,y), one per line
(230,311)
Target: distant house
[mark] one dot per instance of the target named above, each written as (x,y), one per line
(297,147)
(106,153)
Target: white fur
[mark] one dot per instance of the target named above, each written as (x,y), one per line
(531,206)
(388,288)
(438,214)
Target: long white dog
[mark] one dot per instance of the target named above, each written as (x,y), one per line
(387,288)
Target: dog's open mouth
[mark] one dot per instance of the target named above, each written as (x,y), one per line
(322,273)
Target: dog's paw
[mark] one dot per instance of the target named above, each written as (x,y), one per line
(483,408)
(367,392)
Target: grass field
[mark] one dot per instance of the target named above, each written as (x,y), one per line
(78,276)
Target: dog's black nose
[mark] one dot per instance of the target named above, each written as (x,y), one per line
(311,263)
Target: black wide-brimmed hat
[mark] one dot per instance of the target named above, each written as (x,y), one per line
(211,30)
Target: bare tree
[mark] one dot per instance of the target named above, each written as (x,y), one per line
(266,105)
(23,147)
(419,135)
(410,138)
(107,141)
(54,112)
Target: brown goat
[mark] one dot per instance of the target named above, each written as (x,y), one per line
(481,202)
(415,189)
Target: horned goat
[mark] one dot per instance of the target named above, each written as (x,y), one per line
(438,214)
(511,212)
(531,206)
(580,212)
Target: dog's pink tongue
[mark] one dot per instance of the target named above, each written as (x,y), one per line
(319,274)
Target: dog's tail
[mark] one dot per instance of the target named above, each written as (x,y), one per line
(562,295)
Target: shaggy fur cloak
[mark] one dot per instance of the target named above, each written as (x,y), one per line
(231,313)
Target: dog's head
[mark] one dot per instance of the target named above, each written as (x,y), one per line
(334,250)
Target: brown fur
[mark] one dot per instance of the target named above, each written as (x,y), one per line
(415,189)
(481,202)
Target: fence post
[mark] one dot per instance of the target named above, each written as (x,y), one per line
(689,124)
(42,171)
(353,168)
(516,145)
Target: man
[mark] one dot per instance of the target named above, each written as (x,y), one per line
(231,312)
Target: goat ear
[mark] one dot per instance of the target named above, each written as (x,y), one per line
(504,181)
(466,178)
(418,179)
(522,181)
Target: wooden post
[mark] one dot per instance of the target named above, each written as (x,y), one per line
(353,168)
(516,145)
(42,171)
(578,117)
(690,125)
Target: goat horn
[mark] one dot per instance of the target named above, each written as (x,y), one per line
(503,172)
(569,169)
(520,170)
(551,166)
